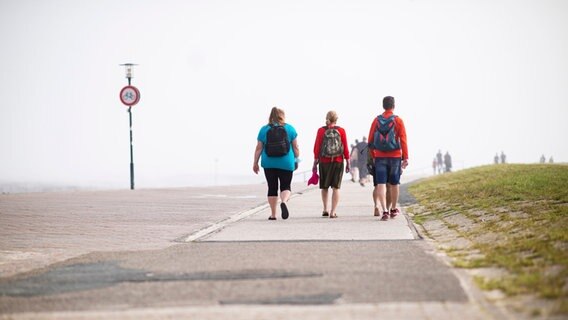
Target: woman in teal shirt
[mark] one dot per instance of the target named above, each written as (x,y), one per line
(278,167)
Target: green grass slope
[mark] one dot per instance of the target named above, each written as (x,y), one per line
(518,222)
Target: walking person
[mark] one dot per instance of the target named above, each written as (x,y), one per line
(434,165)
(362,163)
(278,147)
(448,161)
(440,162)
(387,141)
(354,163)
(503,157)
(330,151)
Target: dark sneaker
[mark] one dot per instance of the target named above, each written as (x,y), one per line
(325,214)
(284,209)
(394,212)
(385,216)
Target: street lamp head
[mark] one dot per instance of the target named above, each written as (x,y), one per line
(128,68)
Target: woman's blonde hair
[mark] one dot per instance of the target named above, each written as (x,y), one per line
(331,117)
(277,115)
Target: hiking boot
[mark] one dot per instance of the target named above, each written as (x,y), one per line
(394,212)
(385,216)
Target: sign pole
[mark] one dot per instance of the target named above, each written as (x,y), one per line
(130,96)
(131,151)
(131,147)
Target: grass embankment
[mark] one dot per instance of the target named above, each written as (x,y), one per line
(518,223)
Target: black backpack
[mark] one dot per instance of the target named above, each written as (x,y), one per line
(277,143)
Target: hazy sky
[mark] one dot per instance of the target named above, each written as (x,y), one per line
(470,77)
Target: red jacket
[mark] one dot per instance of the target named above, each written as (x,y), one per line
(319,141)
(400,132)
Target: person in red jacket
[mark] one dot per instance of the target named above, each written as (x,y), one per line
(330,150)
(390,155)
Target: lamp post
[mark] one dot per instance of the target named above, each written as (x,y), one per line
(130,96)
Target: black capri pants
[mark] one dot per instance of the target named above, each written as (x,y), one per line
(272,178)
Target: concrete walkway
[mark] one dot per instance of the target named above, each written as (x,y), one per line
(239,266)
(355,221)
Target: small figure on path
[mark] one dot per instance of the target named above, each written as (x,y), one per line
(434,165)
(278,146)
(551,160)
(354,163)
(448,161)
(503,157)
(440,161)
(496,158)
(330,150)
(387,141)
(362,163)
(542,159)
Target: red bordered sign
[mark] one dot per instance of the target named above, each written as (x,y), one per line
(129,95)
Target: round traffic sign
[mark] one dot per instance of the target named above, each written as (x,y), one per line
(129,95)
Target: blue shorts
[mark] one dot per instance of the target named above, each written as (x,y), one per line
(387,170)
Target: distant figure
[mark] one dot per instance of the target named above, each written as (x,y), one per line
(278,146)
(362,163)
(330,150)
(387,139)
(496,158)
(503,157)
(434,165)
(550,160)
(354,163)
(448,162)
(440,161)
(542,159)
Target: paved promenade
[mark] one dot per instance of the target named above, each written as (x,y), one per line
(211,253)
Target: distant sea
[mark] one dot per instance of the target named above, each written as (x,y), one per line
(186,180)
(179,181)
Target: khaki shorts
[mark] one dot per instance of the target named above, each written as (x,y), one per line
(331,175)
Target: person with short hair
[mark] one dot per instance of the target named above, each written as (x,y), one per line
(388,164)
(330,152)
(277,169)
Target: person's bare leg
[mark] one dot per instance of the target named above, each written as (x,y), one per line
(388,197)
(380,192)
(324,199)
(285,195)
(375,200)
(334,202)
(394,192)
(273,201)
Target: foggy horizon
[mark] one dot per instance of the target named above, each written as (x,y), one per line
(470,77)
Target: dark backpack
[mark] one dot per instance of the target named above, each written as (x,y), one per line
(331,145)
(277,143)
(385,138)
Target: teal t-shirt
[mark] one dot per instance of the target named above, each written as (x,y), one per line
(285,162)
